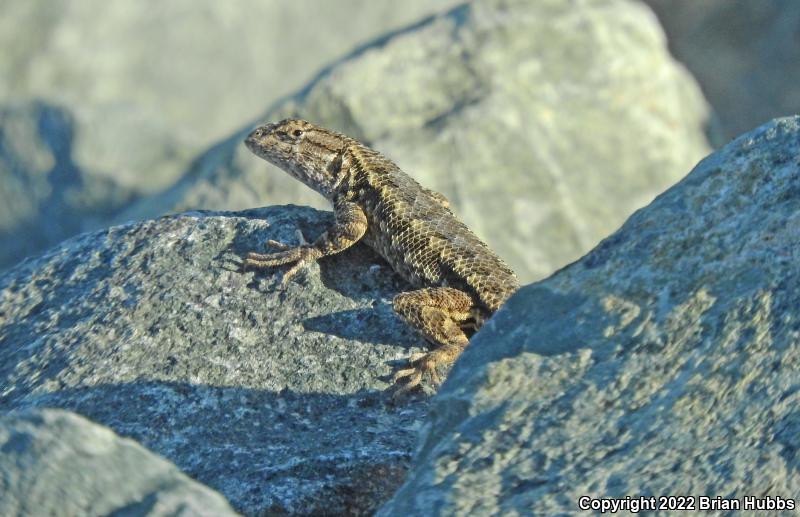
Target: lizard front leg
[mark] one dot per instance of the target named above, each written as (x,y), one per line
(438,313)
(349,227)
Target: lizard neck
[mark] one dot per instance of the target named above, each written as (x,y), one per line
(353,170)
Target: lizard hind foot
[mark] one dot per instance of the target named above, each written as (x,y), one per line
(421,364)
(414,381)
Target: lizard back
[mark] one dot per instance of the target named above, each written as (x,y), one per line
(414,230)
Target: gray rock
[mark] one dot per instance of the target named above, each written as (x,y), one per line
(665,362)
(545,123)
(58,463)
(162,82)
(742,52)
(273,397)
(45,196)
(148,87)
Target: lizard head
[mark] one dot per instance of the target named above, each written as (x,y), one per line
(307,152)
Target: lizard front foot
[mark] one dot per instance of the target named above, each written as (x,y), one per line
(300,256)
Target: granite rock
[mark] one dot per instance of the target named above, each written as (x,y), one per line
(60,464)
(664,362)
(152,84)
(273,397)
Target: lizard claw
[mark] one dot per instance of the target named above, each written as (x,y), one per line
(284,247)
(278,245)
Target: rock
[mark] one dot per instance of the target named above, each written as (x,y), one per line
(742,52)
(157,87)
(58,463)
(160,84)
(273,397)
(543,144)
(44,196)
(666,361)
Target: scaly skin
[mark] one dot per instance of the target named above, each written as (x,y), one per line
(460,281)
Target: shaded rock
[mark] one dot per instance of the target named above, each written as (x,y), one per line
(57,463)
(152,85)
(272,397)
(666,361)
(544,123)
(45,196)
(742,52)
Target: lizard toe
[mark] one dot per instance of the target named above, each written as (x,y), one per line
(421,363)
(416,357)
(414,381)
(292,271)
(278,245)
(400,374)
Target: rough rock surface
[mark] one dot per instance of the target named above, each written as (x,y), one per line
(272,397)
(742,52)
(666,361)
(44,196)
(149,86)
(58,463)
(543,144)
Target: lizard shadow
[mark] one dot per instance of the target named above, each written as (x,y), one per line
(375,282)
(377,325)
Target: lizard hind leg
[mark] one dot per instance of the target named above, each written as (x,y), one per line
(438,313)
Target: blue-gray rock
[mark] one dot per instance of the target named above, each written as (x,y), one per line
(664,362)
(45,196)
(544,123)
(57,463)
(273,397)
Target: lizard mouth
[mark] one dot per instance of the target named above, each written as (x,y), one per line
(261,142)
(254,138)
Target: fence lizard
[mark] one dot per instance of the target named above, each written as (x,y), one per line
(460,282)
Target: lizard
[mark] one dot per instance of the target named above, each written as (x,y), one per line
(459,281)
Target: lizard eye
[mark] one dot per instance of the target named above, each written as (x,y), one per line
(297,133)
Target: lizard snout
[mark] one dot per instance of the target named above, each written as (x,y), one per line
(257,134)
